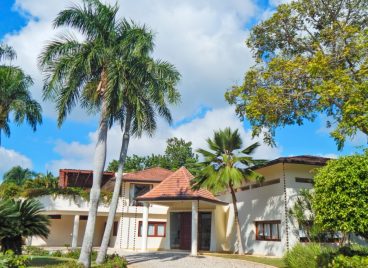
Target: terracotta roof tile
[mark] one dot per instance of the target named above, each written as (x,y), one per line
(177,187)
(150,174)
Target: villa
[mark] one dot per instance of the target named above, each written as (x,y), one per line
(158,210)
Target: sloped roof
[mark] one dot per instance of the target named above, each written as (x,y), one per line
(177,187)
(155,174)
(300,159)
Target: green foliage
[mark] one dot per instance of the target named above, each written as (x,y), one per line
(178,153)
(46,185)
(35,251)
(16,99)
(342,261)
(341,195)
(11,260)
(311,59)
(227,164)
(304,214)
(315,255)
(24,219)
(18,175)
(114,261)
(303,256)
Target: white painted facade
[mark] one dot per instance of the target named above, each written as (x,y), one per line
(264,203)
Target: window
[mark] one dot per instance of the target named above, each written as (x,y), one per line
(115,229)
(54,217)
(137,190)
(304,180)
(83,217)
(155,229)
(268,230)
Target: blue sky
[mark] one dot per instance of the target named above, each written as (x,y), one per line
(209,67)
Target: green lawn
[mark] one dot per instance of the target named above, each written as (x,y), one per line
(277,262)
(41,261)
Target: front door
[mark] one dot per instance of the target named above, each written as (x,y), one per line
(185,230)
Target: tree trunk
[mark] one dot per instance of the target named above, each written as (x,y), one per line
(237,223)
(12,243)
(99,165)
(117,187)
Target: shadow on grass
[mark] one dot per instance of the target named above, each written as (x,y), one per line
(40,261)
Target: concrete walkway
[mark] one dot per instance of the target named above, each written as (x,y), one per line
(183,260)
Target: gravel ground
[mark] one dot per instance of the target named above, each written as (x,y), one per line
(183,260)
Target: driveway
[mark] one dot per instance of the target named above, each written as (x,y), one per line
(183,260)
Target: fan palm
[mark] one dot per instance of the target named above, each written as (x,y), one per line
(148,86)
(88,71)
(25,220)
(226,167)
(15,95)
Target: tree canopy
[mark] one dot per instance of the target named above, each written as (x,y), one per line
(311,59)
(18,175)
(341,195)
(16,99)
(178,153)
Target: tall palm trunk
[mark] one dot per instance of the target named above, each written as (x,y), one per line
(237,223)
(115,197)
(94,197)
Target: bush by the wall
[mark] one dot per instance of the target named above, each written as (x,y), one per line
(341,261)
(303,256)
(35,251)
(11,260)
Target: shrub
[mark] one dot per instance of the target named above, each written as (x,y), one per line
(68,264)
(74,254)
(341,261)
(11,260)
(57,253)
(303,256)
(36,251)
(114,261)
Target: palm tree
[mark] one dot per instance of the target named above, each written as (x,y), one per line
(15,95)
(76,70)
(226,167)
(148,87)
(18,175)
(25,220)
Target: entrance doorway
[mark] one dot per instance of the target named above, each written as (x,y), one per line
(181,230)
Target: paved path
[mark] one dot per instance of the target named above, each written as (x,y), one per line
(183,260)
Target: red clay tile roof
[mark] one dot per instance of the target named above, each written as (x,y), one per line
(155,174)
(177,187)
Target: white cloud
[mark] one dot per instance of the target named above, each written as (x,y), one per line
(77,155)
(10,158)
(203,39)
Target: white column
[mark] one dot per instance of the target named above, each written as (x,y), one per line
(194,228)
(145,226)
(75,231)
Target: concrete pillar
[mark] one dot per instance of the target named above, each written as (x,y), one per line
(75,232)
(194,227)
(145,226)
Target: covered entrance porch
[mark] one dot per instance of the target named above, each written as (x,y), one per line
(190,219)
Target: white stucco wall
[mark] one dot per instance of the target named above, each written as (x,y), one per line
(267,203)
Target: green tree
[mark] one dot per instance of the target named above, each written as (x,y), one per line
(24,219)
(226,167)
(18,175)
(147,86)
(77,71)
(341,195)
(311,59)
(15,95)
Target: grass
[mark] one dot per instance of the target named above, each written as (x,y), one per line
(277,262)
(40,261)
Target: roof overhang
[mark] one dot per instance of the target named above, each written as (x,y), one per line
(182,198)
